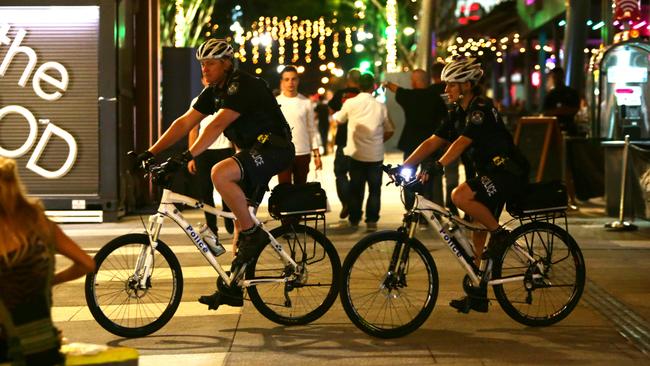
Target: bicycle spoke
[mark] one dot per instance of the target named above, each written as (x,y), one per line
(383,302)
(115,293)
(552,278)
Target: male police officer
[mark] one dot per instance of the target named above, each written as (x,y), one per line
(248,114)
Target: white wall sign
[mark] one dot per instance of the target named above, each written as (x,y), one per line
(42,75)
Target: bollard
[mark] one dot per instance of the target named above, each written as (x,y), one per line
(620,224)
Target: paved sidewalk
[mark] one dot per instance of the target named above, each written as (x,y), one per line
(609,326)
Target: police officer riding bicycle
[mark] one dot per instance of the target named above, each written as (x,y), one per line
(475,126)
(249,115)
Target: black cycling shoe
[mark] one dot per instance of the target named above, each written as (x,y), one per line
(249,246)
(497,244)
(467,303)
(476,300)
(222,298)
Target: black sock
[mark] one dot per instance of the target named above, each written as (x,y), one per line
(498,231)
(250,231)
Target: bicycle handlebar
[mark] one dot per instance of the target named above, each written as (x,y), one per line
(394,173)
(160,175)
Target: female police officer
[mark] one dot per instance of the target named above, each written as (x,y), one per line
(474,125)
(249,115)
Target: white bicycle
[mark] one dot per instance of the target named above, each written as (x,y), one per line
(389,280)
(138,284)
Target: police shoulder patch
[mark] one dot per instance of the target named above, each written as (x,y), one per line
(233,88)
(476,117)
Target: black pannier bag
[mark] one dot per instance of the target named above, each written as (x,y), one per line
(297,199)
(540,198)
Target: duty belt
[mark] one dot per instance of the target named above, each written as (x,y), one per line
(272,140)
(506,164)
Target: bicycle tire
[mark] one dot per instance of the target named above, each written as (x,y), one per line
(309,300)
(554,296)
(109,295)
(376,306)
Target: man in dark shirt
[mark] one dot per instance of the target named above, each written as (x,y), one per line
(249,115)
(562,101)
(424,111)
(323,114)
(341,161)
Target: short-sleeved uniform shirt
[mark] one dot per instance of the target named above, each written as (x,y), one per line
(490,138)
(259,113)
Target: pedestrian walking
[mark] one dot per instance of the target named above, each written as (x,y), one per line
(368,128)
(341,161)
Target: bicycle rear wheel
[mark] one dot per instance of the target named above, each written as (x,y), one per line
(553,271)
(311,291)
(380,297)
(114,298)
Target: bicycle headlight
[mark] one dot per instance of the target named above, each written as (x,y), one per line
(406,173)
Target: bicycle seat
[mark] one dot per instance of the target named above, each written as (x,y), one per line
(540,198)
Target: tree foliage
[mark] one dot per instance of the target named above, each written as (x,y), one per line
(182,22)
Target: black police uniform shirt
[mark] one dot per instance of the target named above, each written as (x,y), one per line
(251,97)
(483,124)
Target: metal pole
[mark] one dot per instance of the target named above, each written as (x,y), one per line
(621,205)
(423,57)
(575,39)
(621,225)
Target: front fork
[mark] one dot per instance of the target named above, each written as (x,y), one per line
(144,264)
(397,267)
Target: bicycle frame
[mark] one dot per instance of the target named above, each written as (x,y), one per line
(422,205)
(167,209)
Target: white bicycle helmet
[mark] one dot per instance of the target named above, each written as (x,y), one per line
(462,70)
(214,48)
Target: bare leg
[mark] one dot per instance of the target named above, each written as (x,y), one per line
(463,198)
(235,236)
(225,176)
(479,243)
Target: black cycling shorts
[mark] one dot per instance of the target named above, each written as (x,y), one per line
(259,164)
(496,188)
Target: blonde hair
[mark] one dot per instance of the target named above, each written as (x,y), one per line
(21,217)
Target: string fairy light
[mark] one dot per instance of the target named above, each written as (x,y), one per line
(294,39)
(391,36)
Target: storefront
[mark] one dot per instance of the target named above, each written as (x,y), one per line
(58,104)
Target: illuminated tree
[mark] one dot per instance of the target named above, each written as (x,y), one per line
(182,22)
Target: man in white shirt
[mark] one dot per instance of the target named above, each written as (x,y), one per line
(368,128)
(299,112)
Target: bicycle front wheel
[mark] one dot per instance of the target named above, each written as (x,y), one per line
(389,284)
(310,290)
(552,269)
(118,302)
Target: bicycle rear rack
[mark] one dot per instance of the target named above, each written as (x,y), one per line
(316,220)
(551,217)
